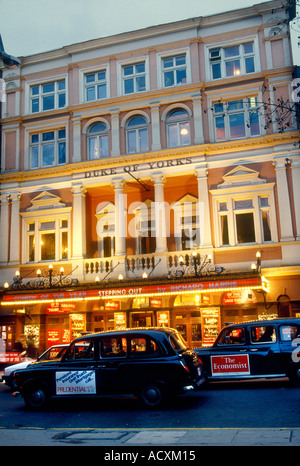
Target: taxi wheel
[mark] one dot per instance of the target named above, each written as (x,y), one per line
(152,395)
(36,397)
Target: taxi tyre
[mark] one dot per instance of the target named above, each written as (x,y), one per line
(36,396)
(152,394)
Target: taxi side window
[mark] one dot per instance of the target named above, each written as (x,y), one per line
(289,332)
(263,334)
(85,349)
(143,347)
(113,347)
(234,336)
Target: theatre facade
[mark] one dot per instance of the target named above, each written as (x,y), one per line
(152,178)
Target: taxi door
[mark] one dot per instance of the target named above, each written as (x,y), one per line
(264,350)
(229,358)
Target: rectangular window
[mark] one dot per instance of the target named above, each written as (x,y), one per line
(47,240)
(236,119)
(235,60)
(113,347)
(174,70)
(134,78)
(95,86)
(263,334)
(48,96)
(48,149)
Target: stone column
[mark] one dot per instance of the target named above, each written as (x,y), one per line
(76,139)
(198,127)
(155,123)
(115,134)
(295,167)
(160,214)
(285,215)
(79,222)
(120,216)
(4,229)
(14,250)
(204,210)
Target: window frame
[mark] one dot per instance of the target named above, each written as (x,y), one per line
(135,61)
(40,83)
(229,196)
(222,59)
(136,130)
(227,114)
(98,82)
(178,123)
(58,216)
(100,136)
(82,85)
(42,143)
(169,54)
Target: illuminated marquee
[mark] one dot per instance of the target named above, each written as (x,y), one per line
(134,291)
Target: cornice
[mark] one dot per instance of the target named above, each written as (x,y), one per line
(204,150)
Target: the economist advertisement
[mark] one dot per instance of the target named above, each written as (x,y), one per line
(235,364)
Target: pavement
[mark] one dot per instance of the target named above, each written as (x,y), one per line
(170,438)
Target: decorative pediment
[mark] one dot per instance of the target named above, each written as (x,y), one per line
(240,176)
(45,201)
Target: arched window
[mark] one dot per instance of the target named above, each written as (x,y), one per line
(97,141)
(137,135)
(178,128)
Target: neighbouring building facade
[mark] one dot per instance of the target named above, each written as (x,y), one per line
(142,173)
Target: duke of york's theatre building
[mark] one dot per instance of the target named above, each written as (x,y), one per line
(152,178)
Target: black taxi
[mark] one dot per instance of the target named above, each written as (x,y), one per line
(257,349)
(149,363)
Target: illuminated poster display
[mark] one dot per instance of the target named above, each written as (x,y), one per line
(53,337)
(211,325)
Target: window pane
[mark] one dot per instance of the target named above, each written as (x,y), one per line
(97,128)
(35,90)
(48,246)
(128,70)
(101,75)
(131,142)
(31,246)
(140,84)
(248,48)
(62,152)
(249,62)
(48,88)
(61,85)
(136,121)
(216,70)
(104,146)
(48,102)
(224,229)
(128,86)
(245,228)
(143,135)
(168,78)
(140,68)
(266,226)
(168,62)
(181,76)
(233,68)
(243,204)
(263,334)
(172,135)
(90,93)
(220,128)
(101,91)
(61,134)
(34,158)
(48,136)
(237,126)
(180,60)
(35,105)
(48,155)
(184,134)
(64,245)
(254,123)
(90,78)
(61,100)
(231,51)
(94,149)
(34,138)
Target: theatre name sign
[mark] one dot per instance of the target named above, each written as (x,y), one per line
(136,291)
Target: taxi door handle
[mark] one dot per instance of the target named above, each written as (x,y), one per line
(254,349)
(243,351)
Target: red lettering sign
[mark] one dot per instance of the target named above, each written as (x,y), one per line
(234,364)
